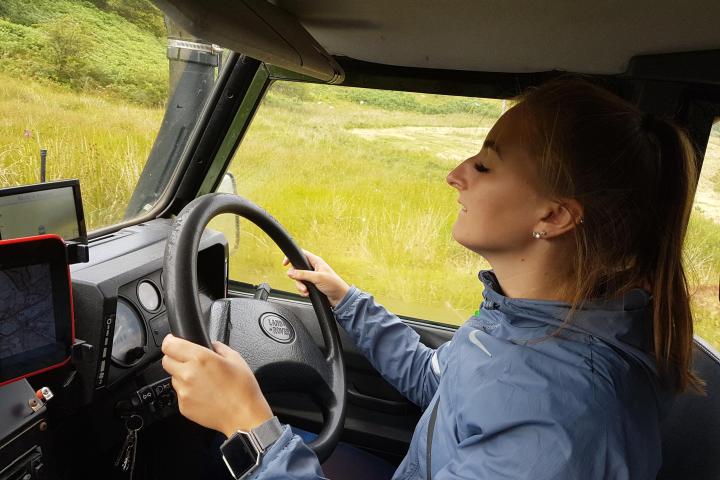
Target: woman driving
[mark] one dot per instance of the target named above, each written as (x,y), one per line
(579,202)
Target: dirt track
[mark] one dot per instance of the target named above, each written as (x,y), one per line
(448,143)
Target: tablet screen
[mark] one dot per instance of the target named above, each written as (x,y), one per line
(27,319)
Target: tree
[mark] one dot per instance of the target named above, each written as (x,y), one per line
(69,45)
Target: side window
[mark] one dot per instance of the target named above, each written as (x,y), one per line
(702,248)
(358,177)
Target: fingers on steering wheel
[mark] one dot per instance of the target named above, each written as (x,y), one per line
(224,351)
(312,259)
(301,288)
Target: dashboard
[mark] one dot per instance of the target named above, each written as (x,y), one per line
(119,303)
(115,372)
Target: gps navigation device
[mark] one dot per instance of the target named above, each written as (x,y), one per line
(36,318)
(43,208)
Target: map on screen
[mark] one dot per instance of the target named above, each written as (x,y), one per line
(38,213)
(27,317)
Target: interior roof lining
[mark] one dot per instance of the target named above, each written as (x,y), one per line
(525,36)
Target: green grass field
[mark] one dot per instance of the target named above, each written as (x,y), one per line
(377,209)
(99,140)
(355,175)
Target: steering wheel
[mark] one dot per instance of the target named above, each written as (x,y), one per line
(274,342)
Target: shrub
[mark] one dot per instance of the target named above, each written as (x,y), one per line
(140,12)
(68,46)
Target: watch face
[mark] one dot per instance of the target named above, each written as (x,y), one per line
(239,454)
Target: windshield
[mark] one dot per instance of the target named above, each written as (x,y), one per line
(105,91)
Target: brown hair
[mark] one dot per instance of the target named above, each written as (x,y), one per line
(634,175)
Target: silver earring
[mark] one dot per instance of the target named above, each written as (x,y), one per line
(539,235)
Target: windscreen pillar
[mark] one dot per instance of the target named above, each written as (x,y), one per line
(193,64)
(191,55)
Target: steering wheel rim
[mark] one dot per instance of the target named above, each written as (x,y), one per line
(183,303)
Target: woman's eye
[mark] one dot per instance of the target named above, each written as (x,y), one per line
(481,168)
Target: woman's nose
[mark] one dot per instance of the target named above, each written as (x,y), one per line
(454,178)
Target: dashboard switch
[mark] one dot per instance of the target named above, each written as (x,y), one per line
(146,395)
(162,387)
(166,400)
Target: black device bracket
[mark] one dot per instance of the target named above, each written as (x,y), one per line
(77,252)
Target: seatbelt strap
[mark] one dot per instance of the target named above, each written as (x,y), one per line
(431,429)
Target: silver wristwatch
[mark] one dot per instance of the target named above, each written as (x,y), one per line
(243,450)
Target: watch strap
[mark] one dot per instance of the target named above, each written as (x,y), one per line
(267,432)
(242,452)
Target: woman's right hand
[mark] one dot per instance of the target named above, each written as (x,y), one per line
(324,278)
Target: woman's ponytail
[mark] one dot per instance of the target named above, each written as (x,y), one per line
(676,175)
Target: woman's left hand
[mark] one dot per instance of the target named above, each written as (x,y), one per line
(215,389)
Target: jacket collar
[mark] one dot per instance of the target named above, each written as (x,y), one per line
(624,322)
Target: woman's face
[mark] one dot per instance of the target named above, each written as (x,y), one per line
(500,205)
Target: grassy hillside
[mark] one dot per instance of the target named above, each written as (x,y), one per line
(109,46)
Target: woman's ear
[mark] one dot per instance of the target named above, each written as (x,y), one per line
(560,218)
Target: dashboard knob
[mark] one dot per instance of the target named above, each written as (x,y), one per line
(135,354)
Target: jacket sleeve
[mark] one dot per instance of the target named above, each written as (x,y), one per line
(289,458)
(393,348)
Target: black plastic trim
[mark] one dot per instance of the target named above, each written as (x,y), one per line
(705,347)
(252,98)
(363,74)
(685,67)
(201,153)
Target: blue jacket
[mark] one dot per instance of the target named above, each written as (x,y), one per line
(519,397)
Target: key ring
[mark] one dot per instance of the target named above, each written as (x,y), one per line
(134,419)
